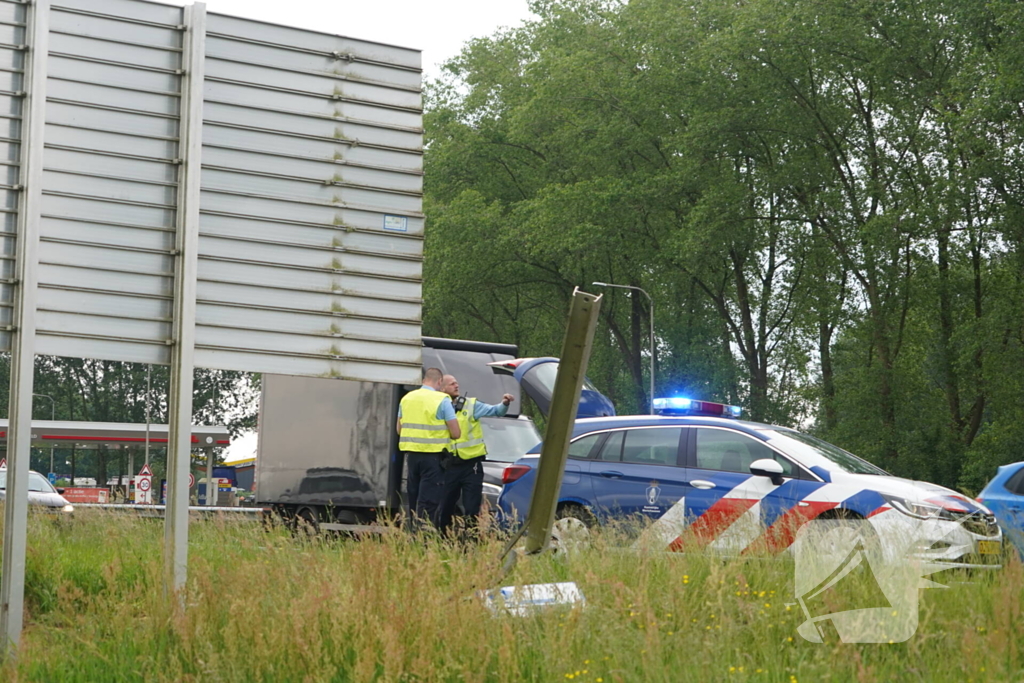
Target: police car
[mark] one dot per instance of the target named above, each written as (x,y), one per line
(700,477)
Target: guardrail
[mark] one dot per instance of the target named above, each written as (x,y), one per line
(244,513)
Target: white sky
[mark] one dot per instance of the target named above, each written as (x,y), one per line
(438,27)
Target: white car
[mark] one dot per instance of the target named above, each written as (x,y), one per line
(41,494)
(730,486)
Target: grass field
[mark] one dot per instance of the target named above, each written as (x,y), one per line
(262,606)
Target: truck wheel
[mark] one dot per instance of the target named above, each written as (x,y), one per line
(306,523)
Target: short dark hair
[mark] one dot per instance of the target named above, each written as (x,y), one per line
(433,374)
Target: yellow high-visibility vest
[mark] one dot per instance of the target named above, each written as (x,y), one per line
(471,443)
(422,431)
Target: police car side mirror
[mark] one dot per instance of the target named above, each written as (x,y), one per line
(766,467)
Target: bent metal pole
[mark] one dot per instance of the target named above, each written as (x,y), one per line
(572,366)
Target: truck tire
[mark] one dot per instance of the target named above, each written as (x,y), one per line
(306,522)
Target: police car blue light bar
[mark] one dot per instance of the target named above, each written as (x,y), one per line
(674,403)
(677,405)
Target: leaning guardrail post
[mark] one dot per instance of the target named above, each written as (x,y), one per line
(572,366)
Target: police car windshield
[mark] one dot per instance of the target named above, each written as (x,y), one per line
(508,439)
(815,452)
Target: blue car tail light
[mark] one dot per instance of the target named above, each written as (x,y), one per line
(513,472)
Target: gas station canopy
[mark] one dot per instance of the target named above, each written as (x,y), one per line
(114,434)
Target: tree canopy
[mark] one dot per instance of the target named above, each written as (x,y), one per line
(824,199)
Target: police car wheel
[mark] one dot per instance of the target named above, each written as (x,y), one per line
(572,511)
(842,531)
(571,530)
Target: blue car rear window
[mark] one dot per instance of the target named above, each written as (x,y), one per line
(1015,484)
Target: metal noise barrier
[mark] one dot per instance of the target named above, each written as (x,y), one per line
(200,190)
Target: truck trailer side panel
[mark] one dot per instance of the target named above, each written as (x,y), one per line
(326,442)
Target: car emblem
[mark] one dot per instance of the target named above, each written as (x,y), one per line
(653,492)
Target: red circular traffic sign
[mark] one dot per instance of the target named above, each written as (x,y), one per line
(144,484)
(191,480)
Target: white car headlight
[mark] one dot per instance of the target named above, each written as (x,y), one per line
(68,508)
(939,507)
(914,509)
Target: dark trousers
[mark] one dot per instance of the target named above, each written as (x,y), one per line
(425,484)
(465,479)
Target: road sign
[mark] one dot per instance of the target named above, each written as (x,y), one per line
(191,480)
(52,476)
(144,486)
(3,464)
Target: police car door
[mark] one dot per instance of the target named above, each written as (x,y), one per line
(730,510)
(638,472)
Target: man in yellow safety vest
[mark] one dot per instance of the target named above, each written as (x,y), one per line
(426,428)
(464,476)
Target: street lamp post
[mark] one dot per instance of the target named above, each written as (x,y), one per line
(650,302)
(53,414)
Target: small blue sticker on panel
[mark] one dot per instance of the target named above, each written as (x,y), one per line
(396,223)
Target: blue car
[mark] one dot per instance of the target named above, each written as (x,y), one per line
(697,477)
(1004,495)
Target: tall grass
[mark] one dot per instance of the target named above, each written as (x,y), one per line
(263,606)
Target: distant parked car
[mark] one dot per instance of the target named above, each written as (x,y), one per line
(1004,496)
(41,493)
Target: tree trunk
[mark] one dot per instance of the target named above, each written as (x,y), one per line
(748,343)
(828,381)
(636,319)
(886,401)
(949,379)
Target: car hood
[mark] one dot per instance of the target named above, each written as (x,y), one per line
(911,489)
(53,500)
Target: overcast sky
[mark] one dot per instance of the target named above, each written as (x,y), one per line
(438,27)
